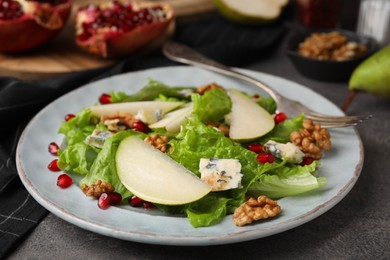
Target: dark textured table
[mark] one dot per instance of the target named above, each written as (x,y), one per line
(356,228)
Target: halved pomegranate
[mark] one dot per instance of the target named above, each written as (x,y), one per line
(118,28)
(26,24)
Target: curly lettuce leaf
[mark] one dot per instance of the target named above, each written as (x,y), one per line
(212,106)
(268,104)
(154,89)
(77,128)
(287,181)
(77,158)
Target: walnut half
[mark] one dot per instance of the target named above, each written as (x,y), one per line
(158,141)
(202,89)
(96,189)
(312,139)
(255,209)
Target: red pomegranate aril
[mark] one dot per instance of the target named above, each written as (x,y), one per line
(64,181)
(10,10)
(115,198)
(255,97)
(53,148)
(53,166)
(104,201)
(257,148)
(105,98)
(135,201)
(140,127)
(69,117)
(266,157)
(147,205)
(280,117)
(307,161)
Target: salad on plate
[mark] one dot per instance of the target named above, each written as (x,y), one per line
(201,152)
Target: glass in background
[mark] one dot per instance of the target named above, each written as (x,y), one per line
(318,13)
(374,20)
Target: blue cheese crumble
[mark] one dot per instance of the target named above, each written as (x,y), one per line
(221,174)
(97,138)
(288,151)
(149,116)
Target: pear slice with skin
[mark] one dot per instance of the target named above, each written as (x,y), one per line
(173,120)
(134,107)
(154,176)
(248,120)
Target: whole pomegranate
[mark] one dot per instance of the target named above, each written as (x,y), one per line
(25,24)
(116,28)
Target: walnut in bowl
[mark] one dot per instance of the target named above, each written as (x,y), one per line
(329,54)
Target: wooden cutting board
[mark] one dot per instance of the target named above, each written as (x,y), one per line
(61,55)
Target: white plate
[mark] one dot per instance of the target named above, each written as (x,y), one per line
(341,166)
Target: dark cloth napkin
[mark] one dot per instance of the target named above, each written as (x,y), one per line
(230,43)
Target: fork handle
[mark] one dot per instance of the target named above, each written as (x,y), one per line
(183,54)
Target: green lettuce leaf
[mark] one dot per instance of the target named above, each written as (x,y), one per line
(288,180)
(207,211)
(154,89)
(268,104)
(77,158)
(212,106)
(77,128)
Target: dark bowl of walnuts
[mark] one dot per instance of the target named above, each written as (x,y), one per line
(328,55)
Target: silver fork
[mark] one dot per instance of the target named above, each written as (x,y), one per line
(183,54)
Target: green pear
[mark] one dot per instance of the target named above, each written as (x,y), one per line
(373,74)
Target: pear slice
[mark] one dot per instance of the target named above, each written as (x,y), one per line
(173,120)
(134,107)
(251,11)
(153,176)
(248,120)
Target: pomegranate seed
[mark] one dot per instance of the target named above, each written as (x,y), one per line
(135,201)
(53,148)
(53,166)
(115,198)
(104,201)
(140,127)
(280,117)
(147,205)
(266,157)
(10,10)
(307,161)
(64,181)
(105,98)
(69,117)
(255,97)
(257,148)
